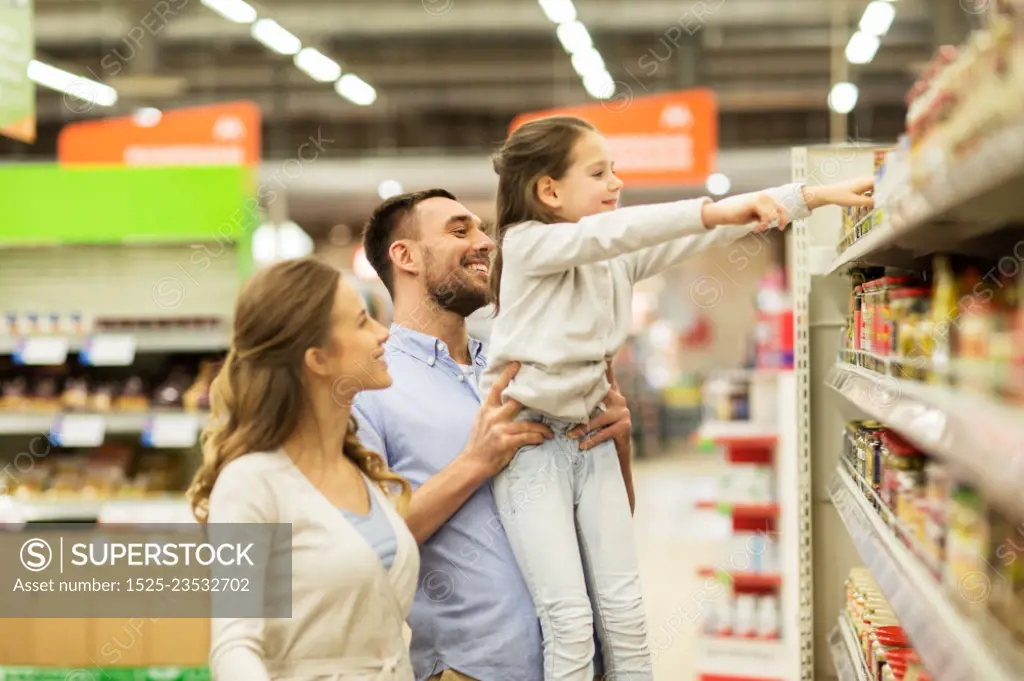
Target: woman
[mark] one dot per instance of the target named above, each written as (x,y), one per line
(282,448)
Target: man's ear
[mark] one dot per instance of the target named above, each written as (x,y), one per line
(548,192)
(405,256)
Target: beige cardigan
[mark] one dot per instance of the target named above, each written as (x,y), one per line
(348,612)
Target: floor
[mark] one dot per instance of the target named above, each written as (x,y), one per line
(672,541)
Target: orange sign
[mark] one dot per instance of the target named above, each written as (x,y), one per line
(221,134)
(668,139)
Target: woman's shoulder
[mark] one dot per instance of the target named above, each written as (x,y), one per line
(252,469)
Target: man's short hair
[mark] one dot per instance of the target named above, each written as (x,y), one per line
(389,223)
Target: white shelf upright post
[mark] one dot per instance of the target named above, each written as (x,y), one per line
(822,554)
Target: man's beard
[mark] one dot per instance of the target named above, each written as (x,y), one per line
(455,294)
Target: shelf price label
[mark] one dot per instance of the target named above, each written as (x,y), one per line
(78,430)
(41,351)
(146,512)
(171,431)
(109,350)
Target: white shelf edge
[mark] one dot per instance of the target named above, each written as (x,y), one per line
(846,656)
(878,238)
(744,658)
(117,423)
(981,439)
(998,160)
(145,341)
(162,509)
(951,647)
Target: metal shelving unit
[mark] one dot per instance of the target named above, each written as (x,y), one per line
(979,438)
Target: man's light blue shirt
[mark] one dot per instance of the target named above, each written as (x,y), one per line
(473,612)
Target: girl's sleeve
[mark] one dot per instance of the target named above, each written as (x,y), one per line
(540,249)
(649,261)
(236,643)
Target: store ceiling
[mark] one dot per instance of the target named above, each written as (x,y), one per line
(451,74)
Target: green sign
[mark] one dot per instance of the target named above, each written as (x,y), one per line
(17,49)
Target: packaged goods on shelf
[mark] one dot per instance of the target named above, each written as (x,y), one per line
(858,221)
(958,324)
(883,647)
(750,616)
(73,388)
(971,547)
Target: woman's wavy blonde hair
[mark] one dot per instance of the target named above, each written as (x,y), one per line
(259,395)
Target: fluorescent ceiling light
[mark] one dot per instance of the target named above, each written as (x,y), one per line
(587,61)
(274,37)
(718,184)
(317,66)
(356,90)
(843,97)
(877,18)
(559,11)
(862,48)
(70,84)
(237,11)
(574,37)
(599,85)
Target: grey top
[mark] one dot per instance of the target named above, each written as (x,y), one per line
(376,530)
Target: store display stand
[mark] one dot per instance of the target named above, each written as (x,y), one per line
(759,525)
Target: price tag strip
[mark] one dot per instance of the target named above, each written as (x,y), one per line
(78,430)
(109,350)
(41,351)
(171,431)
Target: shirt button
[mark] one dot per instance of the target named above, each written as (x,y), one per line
(430,361)
(461,379)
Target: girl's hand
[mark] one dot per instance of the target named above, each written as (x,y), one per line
(849,193)
(759,207)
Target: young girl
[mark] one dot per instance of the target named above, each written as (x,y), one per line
(562,282)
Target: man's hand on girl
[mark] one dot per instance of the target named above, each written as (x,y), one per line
(613,423)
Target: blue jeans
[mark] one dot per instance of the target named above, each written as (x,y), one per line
(567,518)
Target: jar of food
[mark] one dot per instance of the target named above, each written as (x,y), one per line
(909,307)
(868,444)
(937,485)
(903,476)
(967,548)
(869,299)
(856,328)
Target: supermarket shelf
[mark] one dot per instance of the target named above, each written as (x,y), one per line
(725,430)
(36,423)
(846,654)
(982,189)
(977,197)
(145,341)
(981,439)
(737,658)
(743,581)
(156,509)
(952,647)
(741,510)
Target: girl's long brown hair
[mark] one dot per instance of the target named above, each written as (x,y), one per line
(538,149)
(258,396)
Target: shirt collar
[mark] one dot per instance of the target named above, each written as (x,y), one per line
(426,348)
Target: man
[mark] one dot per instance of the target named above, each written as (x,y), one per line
(473,617)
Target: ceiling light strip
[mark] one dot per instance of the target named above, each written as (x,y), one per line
(310,61)
(577,43)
